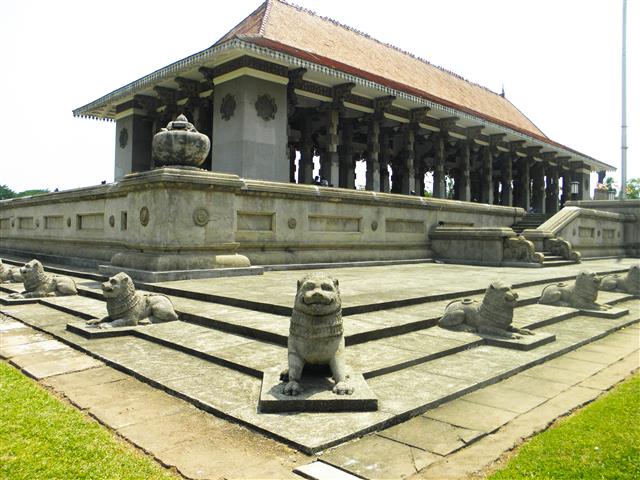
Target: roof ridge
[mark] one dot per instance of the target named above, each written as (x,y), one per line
(265,17)
(366,35)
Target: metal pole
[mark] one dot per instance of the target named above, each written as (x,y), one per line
(623,186)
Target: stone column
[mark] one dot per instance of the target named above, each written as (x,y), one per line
(507,179)
(538,188)
(408,177)
(306,153)
(134,134)
(438,166)
(582,174)
(552,189)
(345,152)
(373,149)
(384,160)
(566,187)
(525,184)
(486,193)
(330,165)
(419,179)
(464,188)
(292,164)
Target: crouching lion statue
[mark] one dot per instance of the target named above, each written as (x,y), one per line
(9,274)
(128,308)
(316,334)
(38,283)
(583,294)
(630,283)
(492,316)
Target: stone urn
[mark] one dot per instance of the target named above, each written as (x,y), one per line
(180,144)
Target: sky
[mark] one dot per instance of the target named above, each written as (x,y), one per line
(559,62)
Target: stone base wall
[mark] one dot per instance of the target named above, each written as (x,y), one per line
(596,233)
(197,216)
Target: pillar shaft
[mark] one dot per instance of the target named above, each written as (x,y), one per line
(487,176)
(507,179)
(552,189)
(408,177)
(306,153)
(345,152)
(329,164)
(373,149)
(524,185)
(384,161)
(438,168)
(539,192)
(464,188)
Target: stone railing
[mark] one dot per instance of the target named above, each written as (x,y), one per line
(168,219)
(594,233)
(497,246)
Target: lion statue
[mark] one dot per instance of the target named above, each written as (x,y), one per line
(493,316)
(630,283)
(316,334)
(128,308)
(9,274)
(582,295)
(38,283)
(520,249)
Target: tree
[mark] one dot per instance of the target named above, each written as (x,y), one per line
(6,192)
(29,193)
(633,188)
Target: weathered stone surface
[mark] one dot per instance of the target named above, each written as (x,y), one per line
(316,397)
(323,471)
(79,381)
(472,416)
(71,362)
(376,457)
(8,351)
(504,398)
(128,308)
(38,284)
(431,435)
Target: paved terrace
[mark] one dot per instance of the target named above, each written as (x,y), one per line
(215,357)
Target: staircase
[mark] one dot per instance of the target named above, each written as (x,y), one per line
(530,220)
(551,260)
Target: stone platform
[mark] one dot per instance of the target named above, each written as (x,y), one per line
(233,330)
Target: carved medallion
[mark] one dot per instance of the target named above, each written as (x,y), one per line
(292,223)
(266,107)
(112,221)
(228,106)
(144,216)
(374,225)
(200,217)
(123,139)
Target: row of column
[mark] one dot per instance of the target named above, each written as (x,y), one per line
(536,184)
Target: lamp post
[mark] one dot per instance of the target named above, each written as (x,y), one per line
(575,189)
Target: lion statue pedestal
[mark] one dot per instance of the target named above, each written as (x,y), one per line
(628,283)
(317,377)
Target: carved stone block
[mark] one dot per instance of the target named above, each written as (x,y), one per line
(628,283)
(583,294)
(38,283)
(493,316)
(9,274)
(316,335)
(127,308)
(519,249)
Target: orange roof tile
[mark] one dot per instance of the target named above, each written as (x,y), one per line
(284,26)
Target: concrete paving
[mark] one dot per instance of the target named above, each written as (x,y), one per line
(441,393)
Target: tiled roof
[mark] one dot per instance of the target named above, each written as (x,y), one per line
(284,26)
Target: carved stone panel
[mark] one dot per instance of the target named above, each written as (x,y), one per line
(266,107)
(228,106)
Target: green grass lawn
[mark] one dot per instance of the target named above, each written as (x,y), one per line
(44,438)
(602,441)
